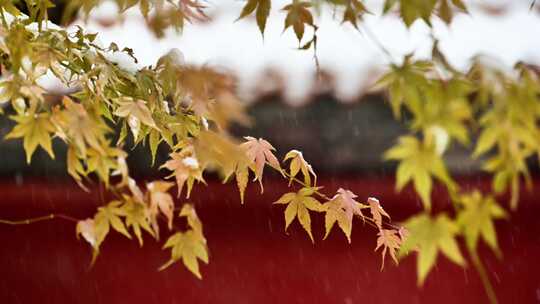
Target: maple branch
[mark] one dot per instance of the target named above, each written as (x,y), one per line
(39,219)
(483,275)
(377,42)
(370,221)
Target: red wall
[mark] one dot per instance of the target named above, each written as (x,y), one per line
(252,259)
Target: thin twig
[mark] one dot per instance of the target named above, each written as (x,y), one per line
(377,42)
(39,219)
(483,276)
(368,220)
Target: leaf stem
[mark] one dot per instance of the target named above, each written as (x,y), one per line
(490,292)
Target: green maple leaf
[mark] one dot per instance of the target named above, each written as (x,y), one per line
(428,236)
(298,204)
(411,10)
(476,220)
(35,130)
(418,162)
(405,82)
(445,105)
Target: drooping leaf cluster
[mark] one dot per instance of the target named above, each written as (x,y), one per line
(447,107)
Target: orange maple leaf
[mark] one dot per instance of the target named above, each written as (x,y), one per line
(185,169)
(390,240)
(377,212)
(259,152)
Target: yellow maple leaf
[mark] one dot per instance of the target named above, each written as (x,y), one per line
(298,204)
(35,129)
(299,164)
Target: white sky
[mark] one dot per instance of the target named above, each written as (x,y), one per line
(349,55)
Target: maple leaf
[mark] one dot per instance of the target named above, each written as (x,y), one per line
(109,216)
(105,162)
(161,201)
(75,125)
(164,16)
(242,176)
(341,208)
(476,220)
(136,112)
(216,149)
(261,9)
(137,217)
(75,167)
(87,228)
(404,82)
(353,12)
(193,10)
(445,11)
(443,110)
(154,139)
(391,241)
(429,236)
(298,205)
(95,230)
(190,245)
(186,169)
(259,152)
(298,15)
(135,190)
(209,94)
(187,246)
(123,171)
(410,11)
(299,164)
(419,162)
(377,212)
(35,130)
(188,212)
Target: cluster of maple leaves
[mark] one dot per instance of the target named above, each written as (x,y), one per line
(187,108)
(500,108)
(136,212)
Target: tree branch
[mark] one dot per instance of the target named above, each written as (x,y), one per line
(39,219)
